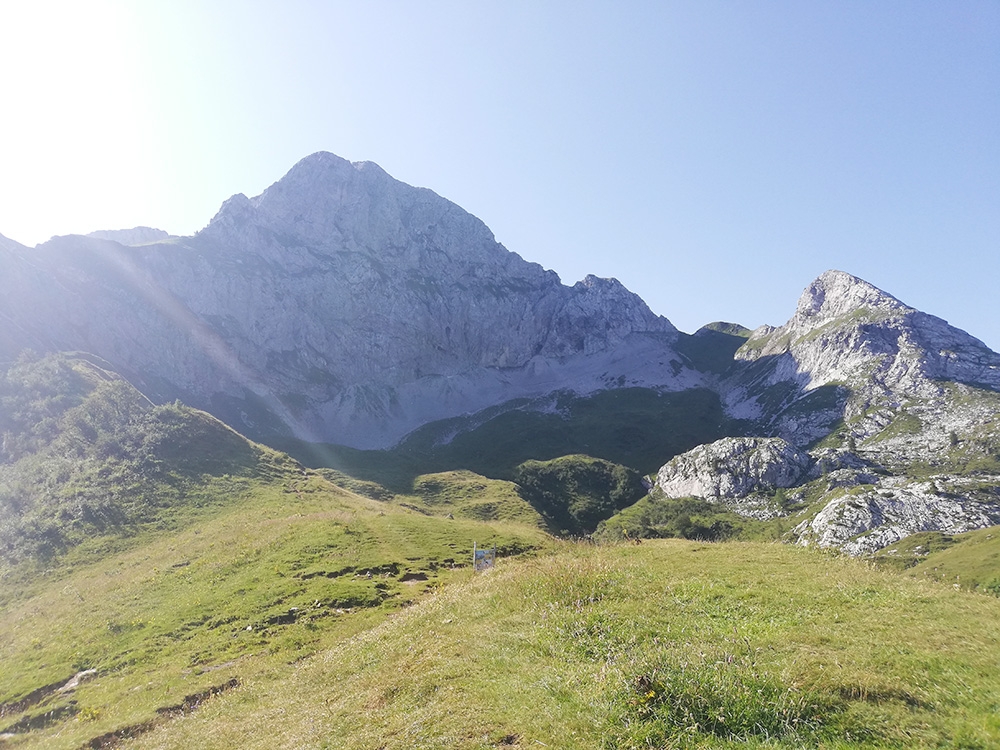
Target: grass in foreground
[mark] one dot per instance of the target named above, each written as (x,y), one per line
(665,644)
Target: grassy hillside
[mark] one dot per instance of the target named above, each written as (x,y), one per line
(271,573)
(156,555)
(665,644)
(164,583)
(82,453)
(968,561)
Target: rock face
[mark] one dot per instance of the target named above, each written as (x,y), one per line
(733,468)
(850,349)
(870,517)
(340,305)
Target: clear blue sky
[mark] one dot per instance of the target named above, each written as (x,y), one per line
(713,156)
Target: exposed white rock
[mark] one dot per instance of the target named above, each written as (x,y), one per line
(865,519)
(733,468)
(904,388)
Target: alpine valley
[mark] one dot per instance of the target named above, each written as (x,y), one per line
(242,474)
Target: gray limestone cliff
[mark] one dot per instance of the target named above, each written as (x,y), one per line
(340,305)
(733,468)
(736,472)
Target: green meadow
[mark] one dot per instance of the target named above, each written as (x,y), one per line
(341,622)
(165,583)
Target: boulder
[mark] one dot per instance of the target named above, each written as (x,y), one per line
(733,468)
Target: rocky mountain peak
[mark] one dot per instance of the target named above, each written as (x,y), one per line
(339,305)
(334,207)
(847,330)
(835,294)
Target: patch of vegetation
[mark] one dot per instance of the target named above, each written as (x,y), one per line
(84,453)
(903,424)
(731,329)
(462,494)
(913,549)
(725,696)
(972,455)
(655,516)
(831,396)
(361,487)
(575,493)
(970,560)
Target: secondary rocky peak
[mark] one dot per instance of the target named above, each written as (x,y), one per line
(609,297)
(846,329)
(836,293)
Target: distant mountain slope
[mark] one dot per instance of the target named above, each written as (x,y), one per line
(339,305)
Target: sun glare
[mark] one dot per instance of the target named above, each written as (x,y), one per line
(73,96)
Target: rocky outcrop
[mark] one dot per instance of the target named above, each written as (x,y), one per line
(733,468)
(340,305)
(867,517)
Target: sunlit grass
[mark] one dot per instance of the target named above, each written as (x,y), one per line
(287,569)
(668,644)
